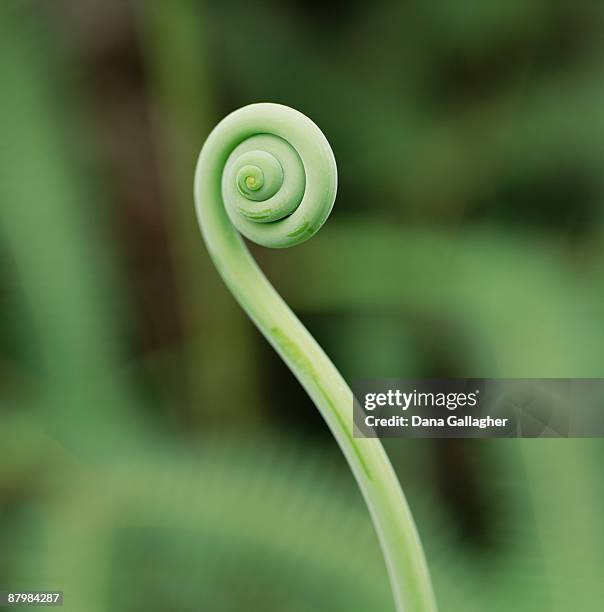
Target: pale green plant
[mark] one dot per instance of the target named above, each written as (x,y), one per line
(268,172)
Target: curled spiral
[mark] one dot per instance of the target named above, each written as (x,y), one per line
(278,176)
(267,172)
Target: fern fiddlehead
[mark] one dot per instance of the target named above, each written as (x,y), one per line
(267,171)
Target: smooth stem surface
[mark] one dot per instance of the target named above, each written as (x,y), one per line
(219,206)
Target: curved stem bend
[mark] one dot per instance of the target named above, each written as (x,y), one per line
(268,171)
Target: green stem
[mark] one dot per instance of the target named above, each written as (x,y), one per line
(268,171)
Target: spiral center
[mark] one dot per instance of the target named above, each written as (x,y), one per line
(252,183)
(249,179)
(258,175)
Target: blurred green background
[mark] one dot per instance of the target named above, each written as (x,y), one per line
(154,453)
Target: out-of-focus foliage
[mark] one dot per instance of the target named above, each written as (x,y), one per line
(155,455)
